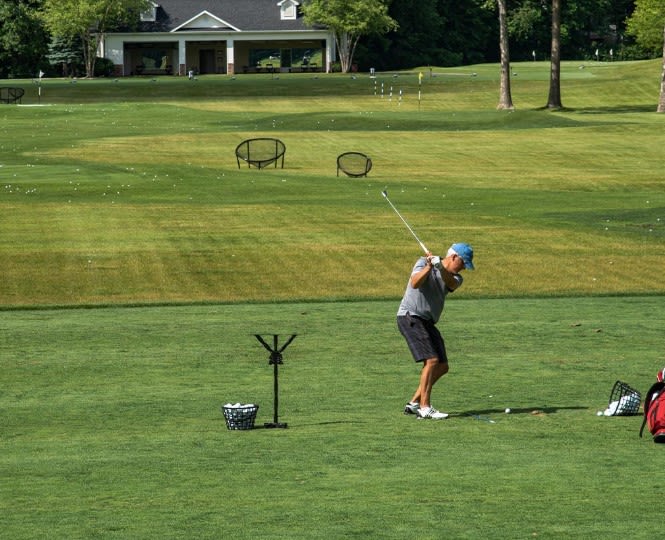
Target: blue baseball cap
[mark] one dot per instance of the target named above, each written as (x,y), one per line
(466,252)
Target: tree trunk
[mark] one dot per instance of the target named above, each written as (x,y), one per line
(505,98)
(344,51)
(554,99)
(90,44)
(661,99)
(346,48)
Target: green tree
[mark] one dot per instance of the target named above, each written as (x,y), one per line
(647,24)
(414,42)
(470,30)
(89,20)
(434,33)
(67,54)
(585,26)
(349,20)
(23,39)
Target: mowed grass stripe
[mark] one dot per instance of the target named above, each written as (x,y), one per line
(150,191)
(566,158)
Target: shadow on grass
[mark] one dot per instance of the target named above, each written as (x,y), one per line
(330,422)
(535,411)
(282,426)
(476,414)
(619,109)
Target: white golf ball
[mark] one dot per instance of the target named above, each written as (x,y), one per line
(508,410)
(599,413)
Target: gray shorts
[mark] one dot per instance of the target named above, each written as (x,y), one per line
(423,338)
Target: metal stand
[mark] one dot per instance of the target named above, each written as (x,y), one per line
(275,360)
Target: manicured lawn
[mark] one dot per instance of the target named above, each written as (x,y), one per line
(129,192)
(138,261)
(112,425)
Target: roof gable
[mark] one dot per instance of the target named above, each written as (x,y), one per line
(205,21)
(226,15)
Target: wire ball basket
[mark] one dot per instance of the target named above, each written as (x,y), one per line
(624,400)
(240,416)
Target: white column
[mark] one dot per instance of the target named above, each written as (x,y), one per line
(182,56)
(331,54)
(230,57)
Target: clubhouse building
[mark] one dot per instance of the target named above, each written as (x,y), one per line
(181,37)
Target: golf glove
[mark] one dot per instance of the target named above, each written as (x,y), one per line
(435,260)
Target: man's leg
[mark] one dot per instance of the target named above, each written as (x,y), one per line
(432,371)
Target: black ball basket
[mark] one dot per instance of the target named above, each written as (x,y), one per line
(624,400)
(242,417)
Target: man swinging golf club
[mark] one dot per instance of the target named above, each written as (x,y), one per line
(430,282)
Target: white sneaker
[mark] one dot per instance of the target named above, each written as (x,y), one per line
(430,412)
(411,408)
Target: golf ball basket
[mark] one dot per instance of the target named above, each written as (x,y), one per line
(624,400)
(240,417)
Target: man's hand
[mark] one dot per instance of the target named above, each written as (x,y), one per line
(434,260)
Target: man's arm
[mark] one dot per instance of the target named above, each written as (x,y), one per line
(418,278)
(451,280)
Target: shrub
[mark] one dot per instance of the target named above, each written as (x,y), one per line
(104,67)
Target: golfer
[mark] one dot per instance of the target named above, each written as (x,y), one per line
(421,307)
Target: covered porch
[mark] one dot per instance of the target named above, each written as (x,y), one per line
(169,54)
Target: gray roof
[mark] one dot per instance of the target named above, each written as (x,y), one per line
(245,15)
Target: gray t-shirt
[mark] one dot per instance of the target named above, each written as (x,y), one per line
(427,301)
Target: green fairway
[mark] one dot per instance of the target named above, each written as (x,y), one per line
(128,191)
(112,425)
(138,262)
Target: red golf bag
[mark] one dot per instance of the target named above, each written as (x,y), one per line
(654,411)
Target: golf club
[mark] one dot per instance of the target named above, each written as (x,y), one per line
(385,195)
(435,260)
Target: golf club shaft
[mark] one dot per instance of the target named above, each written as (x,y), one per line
(385,195)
